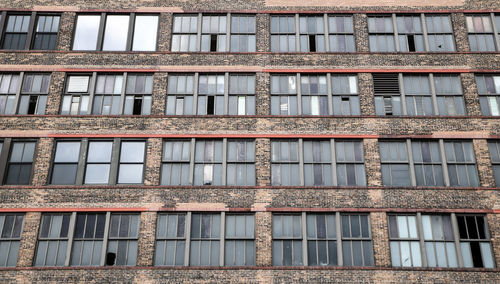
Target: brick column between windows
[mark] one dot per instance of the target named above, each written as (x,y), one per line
(262,161)
(372,162)
(494,226)
(262,32)
(146,244)
(165,31)
(56,90)
(262,94)
(41,161)
(263,239)
(482,153)
(153,161)
(159,93)
(471,98)
(460,32)
(361,32)
(381,250)
(28,239)
(366,94)
(66,27)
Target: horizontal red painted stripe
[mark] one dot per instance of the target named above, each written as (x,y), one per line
(369,70)
(135,70)
(212,135)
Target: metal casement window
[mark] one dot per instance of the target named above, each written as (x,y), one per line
(213,33)
(410,33)
(211,94)
(483,34)
(108,94)
(11,227)
(428,163)
(85,161)
(312,33)
(208,162)
(488,87)
(317,162)
(439,240)
(17,161)
(494,147)
(322,239)
(116,32)
(418,95)
(24,93)
(326,94)
(205,239)
(37,31)
(87,239)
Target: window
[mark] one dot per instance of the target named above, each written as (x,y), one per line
(219,33)
(481,32)
(314,95)
(329,239)
(423,163)
(72,166)
(324,162)
(345,95)
(201,162)
(109,94)
(418,95)
(20,163)
(433,240)
(8,92)
(11,227)
(36,31)
(80,239)
(489,94)
(312,33)
(214,240)
(212,96)
(31,98)
(406,33)
(136,32)
(494,147)
(284,95)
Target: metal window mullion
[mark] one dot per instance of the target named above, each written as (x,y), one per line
(228,32)
(496,34)
(198,34)
(304,240)
(3,19)
(420,232)
(18,93)
(130,32)
(402,93)
(195,93)
(333,156)
(31,27)
(297,35)
(105,239)
(340,258)
(224,160)
(424,32)
(115,160)
(446,176)
(191,162)
(301,162)
(433,94)
(327,38)
(411,164)
(100,37)
(93,81)
(456,236)
(329,92)
(4,157)
(82,161)
(221,238)
(396,34)
(226,93)
(122,95)
(71,232)
(299,95)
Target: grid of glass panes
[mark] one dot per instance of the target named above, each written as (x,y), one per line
(312,33)
(98,162)
(242,33)
(20,163)
(184,36)
(211,90)
(239,241)
(107,94)
(404,241)
(410,33)
(241,94)
(11,226)
(45,36)
(439,33)
(131,165)
(317,162)
(322,243)
(475,243)
(418,95)
(494,147)
(138,94)
(76,97)
(53,239)
(170,239)
(240,162)
(205,239)
(481,33)
(462,169)
(34,92)
(16,32)
(88,239)
(314,94)
(284,95)
(427,163)
(439,241)
(213,33)
(65,165)
(381,34)
(285,164)
(287,240)
(8,89)
(395,163)
(122,240)
(176,162)
(345,95)
(357,247)
(350,163)
(283,37)
(180,94)
(341,33)
(488,87)
(208,162)
(449,95)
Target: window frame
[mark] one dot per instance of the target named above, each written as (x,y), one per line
(5,154)
(485,97)
(12,239)
(19,93)
(494,31)
(495,159)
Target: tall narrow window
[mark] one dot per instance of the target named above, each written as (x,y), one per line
(241,95)
(180,94)
(53,240)
(395,165)
(213,33)
(489,94)
(34,92)
(98,162)
(494,147)
(317,163)
(242,33)
(170,239)
(65,165)
(76,97)
(11,226)
(357,247)
(350,163)
(387,94)
(284,95)
(116,32)
(8,89)
(145,33)
(461,163)
(86,32)
(312,34)
(314,95)
(239,240)
(404,241)
(208,162)
(475,243)
(322,240)
(440,33)
(20,163)
(45,36)
(381,34)
(449,95)
(205,240)
(184,36)
(211,94)
(138,94)
(175,163)
(88,239)
(240,162)
(410,34)
(107,94)
(122,240)
(285,162)
(341,34)
(16,32)
(418,95)
(481,36)
(427,163)
(438,237)
(131,166)
(287,240)
(345,95)
(283,34)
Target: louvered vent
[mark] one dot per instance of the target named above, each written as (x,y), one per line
(385,83)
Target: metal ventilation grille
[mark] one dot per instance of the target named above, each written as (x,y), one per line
(386,83)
